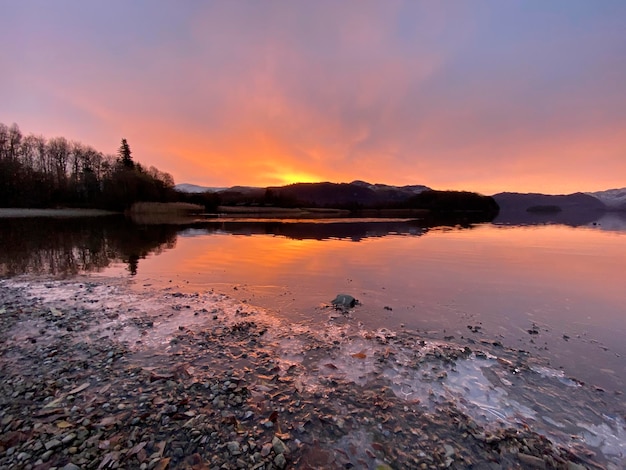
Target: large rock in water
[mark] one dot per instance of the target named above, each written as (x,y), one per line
(344,301)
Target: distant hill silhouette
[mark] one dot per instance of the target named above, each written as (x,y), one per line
(346,195)
(360,196)
(324,194)
(531,208)
(523,201)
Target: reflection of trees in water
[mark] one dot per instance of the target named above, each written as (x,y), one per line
(71,246)
(346,229)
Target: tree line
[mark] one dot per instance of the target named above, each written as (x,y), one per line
(40,172)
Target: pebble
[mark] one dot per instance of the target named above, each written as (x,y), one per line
(279,446)
(280,461)
(69,438)
(71,466)
(575,466)
(531,461)
(266,449)
(234,447)
(52,444)
(204,403)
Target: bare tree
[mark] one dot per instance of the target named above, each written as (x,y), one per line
(58,153)
(28,152)
(4,140)
(15,138)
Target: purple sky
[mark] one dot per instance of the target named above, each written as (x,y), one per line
(477,95)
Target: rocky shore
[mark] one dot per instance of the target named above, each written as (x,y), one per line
(96,375)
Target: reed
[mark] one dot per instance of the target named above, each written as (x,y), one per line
(165,208)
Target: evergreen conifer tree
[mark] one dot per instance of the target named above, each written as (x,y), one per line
(125,155)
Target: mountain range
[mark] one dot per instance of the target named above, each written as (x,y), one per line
(367,193)
(355,187)
(357,193)
(612,198)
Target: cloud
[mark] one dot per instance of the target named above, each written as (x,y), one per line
(476,96)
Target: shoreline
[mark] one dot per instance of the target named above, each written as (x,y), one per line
(161,379)
(6,213)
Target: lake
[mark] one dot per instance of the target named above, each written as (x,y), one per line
(555,291)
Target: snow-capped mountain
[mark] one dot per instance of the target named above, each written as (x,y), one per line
(416,188)
(194,188)
(612,198)
(377,188)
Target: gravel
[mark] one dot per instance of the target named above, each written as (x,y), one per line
(80,392)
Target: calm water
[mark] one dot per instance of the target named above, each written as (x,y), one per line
(553,290)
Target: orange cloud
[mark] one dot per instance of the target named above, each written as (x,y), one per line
(396,92)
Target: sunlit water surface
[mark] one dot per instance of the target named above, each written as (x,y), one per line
(554,290)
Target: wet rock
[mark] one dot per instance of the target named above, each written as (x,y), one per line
(344,301)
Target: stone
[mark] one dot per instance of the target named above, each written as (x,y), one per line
(575,466)
(344,301)
(69,438)
(279,446)
(266,449)
(449,450)
(234,447)
(71,466)
(52,444)
(280,461)
(531,461)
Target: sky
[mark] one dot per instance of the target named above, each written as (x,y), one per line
(481,95)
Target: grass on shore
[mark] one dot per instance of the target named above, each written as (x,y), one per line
(163,208)
(21,213)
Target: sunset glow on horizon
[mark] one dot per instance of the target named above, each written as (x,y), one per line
(483,96)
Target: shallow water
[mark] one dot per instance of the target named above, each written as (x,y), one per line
(553,290)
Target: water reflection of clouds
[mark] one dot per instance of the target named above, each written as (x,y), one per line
(568,280)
